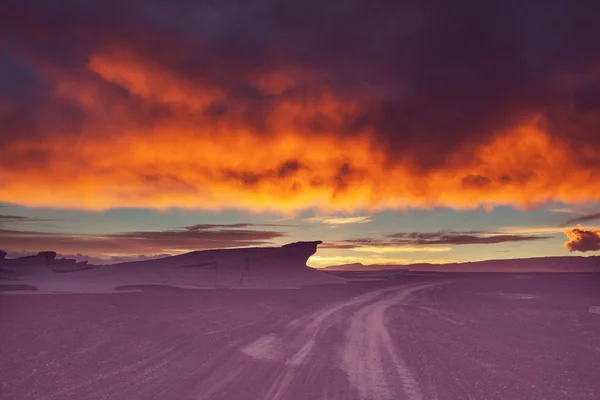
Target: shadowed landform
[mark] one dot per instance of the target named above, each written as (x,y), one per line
(257,267)
(563,264)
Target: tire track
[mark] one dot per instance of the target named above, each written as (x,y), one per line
(367,348)
(280,363)
(297,347)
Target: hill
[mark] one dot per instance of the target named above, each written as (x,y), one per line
(258,267)
(535,264)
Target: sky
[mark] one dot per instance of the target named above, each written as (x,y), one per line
(396,132)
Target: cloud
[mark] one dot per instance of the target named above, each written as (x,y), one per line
(262,106)
(12,218)
(581,239)
(583,218)
(202,227)
(340,220)
(402,249)
(428,241)
(19,218)
(339,246)
(525,231)
(565,211)
(128,244)
(459,238)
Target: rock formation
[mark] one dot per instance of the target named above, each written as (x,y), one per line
(47,255)
(257,267)
(41,263)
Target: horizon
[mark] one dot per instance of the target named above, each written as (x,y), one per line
(387,262)
(121,235)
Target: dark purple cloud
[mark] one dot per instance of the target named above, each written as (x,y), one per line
(148,242)
(19,218)
(581,239)
(202,227)
(456,72)
(459,238)
(447,238)
(582,219)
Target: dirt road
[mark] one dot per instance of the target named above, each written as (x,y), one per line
(426,338)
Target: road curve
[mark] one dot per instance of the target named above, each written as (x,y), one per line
(367,355)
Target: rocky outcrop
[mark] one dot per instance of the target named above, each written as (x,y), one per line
(28,265)
(68,265)
(294,254)
(47,255)
(42,263)
(258,267)
(301,251)
(303,245)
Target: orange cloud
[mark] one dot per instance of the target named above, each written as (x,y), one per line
(182,155)
(581,239)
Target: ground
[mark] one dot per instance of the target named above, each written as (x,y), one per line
(429,336)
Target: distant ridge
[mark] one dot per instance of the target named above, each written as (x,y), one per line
(533,264)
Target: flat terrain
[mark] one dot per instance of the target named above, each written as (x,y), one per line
(430,336)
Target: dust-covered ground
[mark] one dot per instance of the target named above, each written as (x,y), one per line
(422,336)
